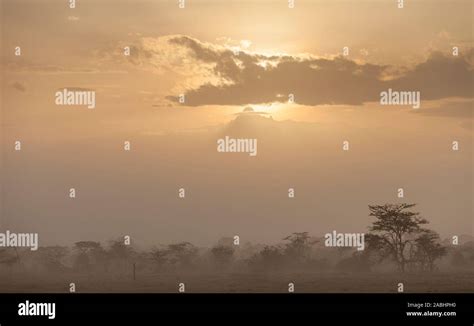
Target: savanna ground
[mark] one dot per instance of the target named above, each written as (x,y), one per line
(269,282)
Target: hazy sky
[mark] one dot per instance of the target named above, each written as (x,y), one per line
(225,56)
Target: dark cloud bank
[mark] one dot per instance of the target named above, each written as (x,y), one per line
(253,78)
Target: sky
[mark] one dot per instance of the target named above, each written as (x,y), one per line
(236,63)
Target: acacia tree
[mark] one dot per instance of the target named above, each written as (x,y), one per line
(119,255)
(89,253)
(269,258)
(52,257)
(394,231)
(428,249)
(299,247)
(182,255)
(222,255)
(160,256)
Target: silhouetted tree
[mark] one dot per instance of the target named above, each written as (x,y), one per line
(52,257)
(463,255)
(428,249)
(180,254)
(222,254)
(299,247)
(89,253)
(160,256)
(269,258)
(120,255)
(394,230)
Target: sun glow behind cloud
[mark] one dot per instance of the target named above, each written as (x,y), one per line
(270,107)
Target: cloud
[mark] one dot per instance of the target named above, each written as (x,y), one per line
(453,109)
(440,76)
(224,73)
(312,82)
(252,78)
(31,67)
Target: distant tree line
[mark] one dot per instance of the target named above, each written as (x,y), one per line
(397,237)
